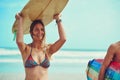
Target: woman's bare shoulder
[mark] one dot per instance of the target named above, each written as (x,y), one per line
(28,46)
(27,49)
(114,46)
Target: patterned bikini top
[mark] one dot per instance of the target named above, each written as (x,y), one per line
(30,62)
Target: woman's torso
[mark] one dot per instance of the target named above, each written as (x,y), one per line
(35,71)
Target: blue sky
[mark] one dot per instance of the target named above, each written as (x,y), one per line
(89,24)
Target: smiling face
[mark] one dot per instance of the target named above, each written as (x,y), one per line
(38,32)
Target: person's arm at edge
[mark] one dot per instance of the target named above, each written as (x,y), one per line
(62,38)
(108,58)
(19,36)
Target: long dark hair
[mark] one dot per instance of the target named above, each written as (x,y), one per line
(38,21)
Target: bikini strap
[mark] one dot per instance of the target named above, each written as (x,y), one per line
(31,48)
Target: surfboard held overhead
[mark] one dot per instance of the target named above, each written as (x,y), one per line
(40,9)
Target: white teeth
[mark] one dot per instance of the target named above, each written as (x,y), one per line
(39,35)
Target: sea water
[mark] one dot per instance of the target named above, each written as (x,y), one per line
(63,61)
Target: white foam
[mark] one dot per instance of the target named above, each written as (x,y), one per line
(80,54)
(69,61)
(52,61)
(9,52)
(10,60)
(59,57)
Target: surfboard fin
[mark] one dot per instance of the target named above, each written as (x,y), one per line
(14,35)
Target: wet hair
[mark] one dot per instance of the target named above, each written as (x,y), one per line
(34,23)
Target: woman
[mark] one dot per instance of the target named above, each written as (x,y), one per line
(113,54)
(36,55)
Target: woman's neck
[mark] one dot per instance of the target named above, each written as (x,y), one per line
(37,45)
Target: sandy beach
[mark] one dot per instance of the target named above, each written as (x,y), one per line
(59,76)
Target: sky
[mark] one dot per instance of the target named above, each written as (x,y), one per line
(88,24)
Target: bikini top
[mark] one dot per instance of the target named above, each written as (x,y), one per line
(30,62)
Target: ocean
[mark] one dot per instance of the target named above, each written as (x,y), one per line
(70,63)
